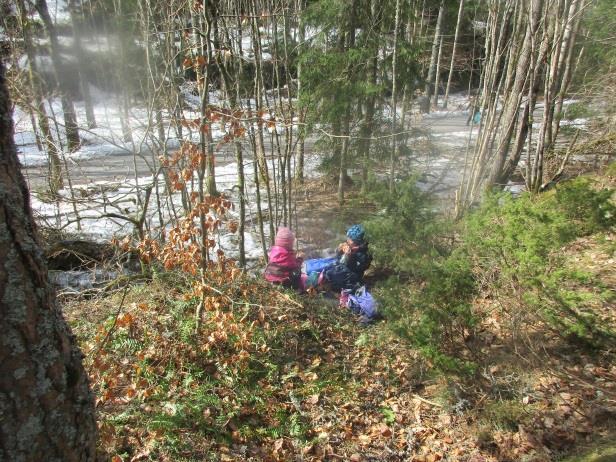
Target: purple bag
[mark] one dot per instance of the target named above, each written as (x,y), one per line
(363,303)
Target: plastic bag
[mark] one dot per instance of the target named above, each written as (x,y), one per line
(363,303)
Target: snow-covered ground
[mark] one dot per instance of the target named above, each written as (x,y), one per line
(103,185)
(100,187)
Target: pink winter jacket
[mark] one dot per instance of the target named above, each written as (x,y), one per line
(282,264)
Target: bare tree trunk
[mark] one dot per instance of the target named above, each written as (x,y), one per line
(70,120)
(289,115)
(121,77)
(561,17)
(230,86)
(367,127)
(347,44)
(394,103)
(239,157)
(344,150)
(569,39)
(504,27)
(408,85)
(422,17)
(453,52)
(255,165)
(47,408)
(434,56)
(300,147)
(258,199)
(259,144)
(55,164)
(437,76)
(514,94)
(278,104)
(76,14)
(210,19)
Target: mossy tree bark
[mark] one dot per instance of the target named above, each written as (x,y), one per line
(46,408)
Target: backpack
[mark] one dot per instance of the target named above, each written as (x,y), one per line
(316,265)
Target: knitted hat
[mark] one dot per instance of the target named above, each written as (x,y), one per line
(356,233)
(285,238)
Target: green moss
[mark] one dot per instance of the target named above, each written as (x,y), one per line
(506,415)
(602,452)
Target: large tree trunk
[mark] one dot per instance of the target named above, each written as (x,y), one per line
(46,408)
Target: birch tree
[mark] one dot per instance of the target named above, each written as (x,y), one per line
(435,47)
(528,54)
(394,101)
(453,52)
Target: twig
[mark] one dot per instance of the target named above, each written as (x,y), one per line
(423,400)
(561,373)
(563,164)
(115,321)
(289,299)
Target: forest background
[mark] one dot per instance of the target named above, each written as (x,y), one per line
(186,132)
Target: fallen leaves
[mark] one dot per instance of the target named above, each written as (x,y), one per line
(364,440)
(325,389)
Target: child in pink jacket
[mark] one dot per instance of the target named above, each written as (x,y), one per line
(284,266)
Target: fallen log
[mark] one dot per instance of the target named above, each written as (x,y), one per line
(77,254)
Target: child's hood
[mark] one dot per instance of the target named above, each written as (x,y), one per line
(279,255)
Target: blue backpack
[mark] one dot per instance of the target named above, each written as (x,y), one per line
(316,265)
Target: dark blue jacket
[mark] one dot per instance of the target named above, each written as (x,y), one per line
(348,272)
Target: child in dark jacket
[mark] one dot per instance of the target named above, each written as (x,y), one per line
(284,267)
(354,259)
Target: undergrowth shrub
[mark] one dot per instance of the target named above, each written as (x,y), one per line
(518,242)
(591,209)
(406,228)
(410,238)
(510,247)
(445,315)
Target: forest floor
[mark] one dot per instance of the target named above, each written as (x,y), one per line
(272,376)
